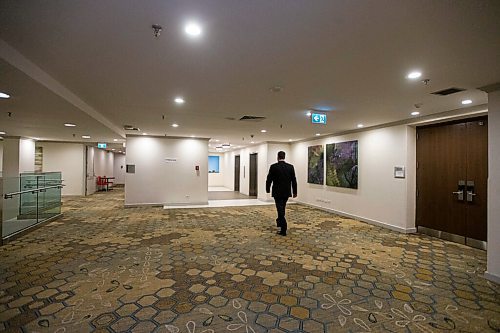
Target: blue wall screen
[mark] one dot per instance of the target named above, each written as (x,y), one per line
(213,164)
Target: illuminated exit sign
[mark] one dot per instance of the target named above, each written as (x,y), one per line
(101,145)
(318,118)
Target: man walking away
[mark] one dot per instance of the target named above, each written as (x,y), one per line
(282,176)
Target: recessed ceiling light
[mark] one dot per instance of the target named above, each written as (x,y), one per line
(85,136)
(263,131)
(2,133)
(415,113)
(308,113)
(466,101)
(252,142)
(69,125)
(144,133)
(175,125)
(414,75)
(360,125)
(192,136)
(217,140)
(4,95)
(112,148)
(192,29)
(289,139)
(115,140)
(179,100)
(317,134)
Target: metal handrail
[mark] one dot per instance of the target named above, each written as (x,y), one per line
(41,189)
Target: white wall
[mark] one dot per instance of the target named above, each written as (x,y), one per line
(157,181)
(217,179)
(26,155)
(103,163)
(119,168)
(69,159)
(380,198)
(493,251)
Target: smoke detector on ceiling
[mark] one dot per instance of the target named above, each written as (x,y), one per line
(156,30)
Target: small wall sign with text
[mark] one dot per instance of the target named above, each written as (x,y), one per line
(399,172)
(170,159)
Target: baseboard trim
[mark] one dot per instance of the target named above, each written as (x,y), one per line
(492,277)
(363,219)
(156,204)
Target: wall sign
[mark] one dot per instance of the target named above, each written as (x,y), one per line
(399,172)
(170,159)
(318,118)
(102,145)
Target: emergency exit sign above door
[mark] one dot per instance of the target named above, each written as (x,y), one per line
(318,118)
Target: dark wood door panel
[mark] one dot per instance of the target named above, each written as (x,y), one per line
(237,173)
(477,171)
(441,165)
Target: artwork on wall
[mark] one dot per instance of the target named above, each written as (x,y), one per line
(315,167)
(342,164)
(213,164)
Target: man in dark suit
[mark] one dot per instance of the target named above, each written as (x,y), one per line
(282,176)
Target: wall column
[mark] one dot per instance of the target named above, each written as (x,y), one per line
(493,249)
(18,156)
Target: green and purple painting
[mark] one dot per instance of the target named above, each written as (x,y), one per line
(315,167)
(342,164)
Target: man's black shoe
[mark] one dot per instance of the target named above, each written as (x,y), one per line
(281,233)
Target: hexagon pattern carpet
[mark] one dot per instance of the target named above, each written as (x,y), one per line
(104,268)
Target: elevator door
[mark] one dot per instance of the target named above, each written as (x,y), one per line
(452,164)
(253,175)
(237,173)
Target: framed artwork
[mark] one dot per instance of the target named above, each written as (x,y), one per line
(213,164)
(342,164)
(315,166)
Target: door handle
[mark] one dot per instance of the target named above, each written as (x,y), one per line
(470,191)
(460,195)
(460,192)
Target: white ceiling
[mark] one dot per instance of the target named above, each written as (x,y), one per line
(350,57)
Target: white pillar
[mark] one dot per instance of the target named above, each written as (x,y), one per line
(18,156)
(493,249)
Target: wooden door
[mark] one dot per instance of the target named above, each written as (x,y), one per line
(452,166)
(253,175)
(440,167)
(477,172)
(237,173)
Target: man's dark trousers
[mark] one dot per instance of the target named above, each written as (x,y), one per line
(280,207)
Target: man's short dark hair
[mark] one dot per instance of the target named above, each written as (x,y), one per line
(281,155)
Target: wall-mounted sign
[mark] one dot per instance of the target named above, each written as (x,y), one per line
(399,172)
(170,159)
(102,145)
(318,118)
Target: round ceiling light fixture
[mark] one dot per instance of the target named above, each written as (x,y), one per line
(414,75)
(69,125)
(361,125)
(179,100)
(415,113)
(466,101)
(192,29)
(85,136)
(2,133)
(309,113)
(4,95)
(263,131)
(175,125)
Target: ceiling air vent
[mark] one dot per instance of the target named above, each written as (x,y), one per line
(252,118)
(130,128)
(448,91)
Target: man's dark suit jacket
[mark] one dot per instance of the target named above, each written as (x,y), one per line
(282,176)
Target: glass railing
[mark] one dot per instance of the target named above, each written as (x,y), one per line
(29,199)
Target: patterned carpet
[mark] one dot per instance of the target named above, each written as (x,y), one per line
(103,268)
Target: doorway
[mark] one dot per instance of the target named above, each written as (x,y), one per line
(237,173)
(452,173)
(253,175)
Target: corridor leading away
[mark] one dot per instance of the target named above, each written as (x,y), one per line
(108,269)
